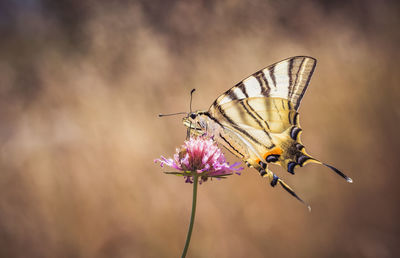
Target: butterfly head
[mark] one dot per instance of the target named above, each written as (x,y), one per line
(196,122)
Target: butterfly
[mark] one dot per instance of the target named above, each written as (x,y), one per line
(258,120)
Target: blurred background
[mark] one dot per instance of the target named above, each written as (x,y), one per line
(82,82)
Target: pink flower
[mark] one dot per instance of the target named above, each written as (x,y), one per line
(200,156)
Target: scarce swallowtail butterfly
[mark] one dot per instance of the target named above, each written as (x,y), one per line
(258,120)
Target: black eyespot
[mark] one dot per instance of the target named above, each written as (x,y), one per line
(291,166)
(299,146)
(193,115)
(294,132)
(302,159)
(262,164)
(274,180)
(272,158)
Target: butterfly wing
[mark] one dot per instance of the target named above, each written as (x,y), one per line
(257,130)
(258,117)
(263,106)
(287,79)
(274,115)
(255,127)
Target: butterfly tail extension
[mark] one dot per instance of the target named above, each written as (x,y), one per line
(299,157)
(337,171)
(304,159)
(290,190)
(274,180)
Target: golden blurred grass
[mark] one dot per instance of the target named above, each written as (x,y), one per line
(81,87)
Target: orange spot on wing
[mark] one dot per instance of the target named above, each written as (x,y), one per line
(274,151)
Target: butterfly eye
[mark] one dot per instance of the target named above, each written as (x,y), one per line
(193,115)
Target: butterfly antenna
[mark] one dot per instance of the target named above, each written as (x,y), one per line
(191,97)
(173,114)
(190,108)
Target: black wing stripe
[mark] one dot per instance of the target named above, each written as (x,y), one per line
(232,94)
(272,75)
(242,88)
(253,114)
(258,116)
(234,125)
(257,76)
(230,145)
(213,118)
(265,89)
(305,87)
(297,79)
(289,74)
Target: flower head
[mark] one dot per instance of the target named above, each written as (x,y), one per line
(200,156)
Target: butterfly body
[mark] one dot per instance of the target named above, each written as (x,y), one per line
(258,120)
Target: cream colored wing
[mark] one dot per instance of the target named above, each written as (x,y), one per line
(287,79)
(259,124)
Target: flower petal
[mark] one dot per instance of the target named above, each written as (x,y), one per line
(200,155)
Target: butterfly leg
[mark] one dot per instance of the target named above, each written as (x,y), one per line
(274,180)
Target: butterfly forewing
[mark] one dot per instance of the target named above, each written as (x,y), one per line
(287,79)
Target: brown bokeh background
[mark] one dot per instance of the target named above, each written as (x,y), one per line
(81,84)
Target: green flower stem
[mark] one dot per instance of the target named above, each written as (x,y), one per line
(189,234)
